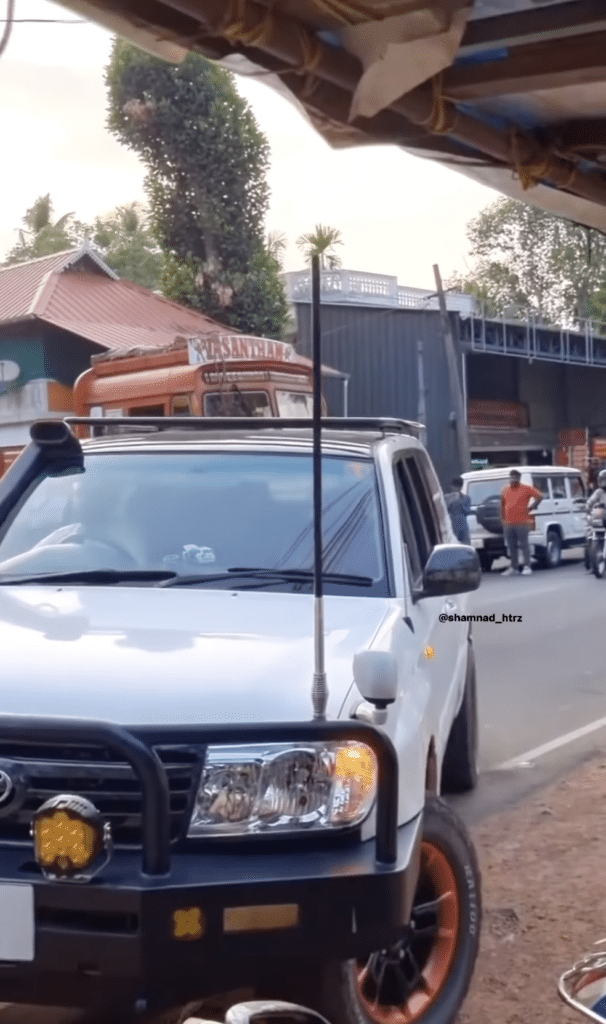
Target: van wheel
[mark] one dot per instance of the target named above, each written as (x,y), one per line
(426,976)
(460,764)
(551,555)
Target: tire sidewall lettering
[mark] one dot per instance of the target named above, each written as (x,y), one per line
(473,899)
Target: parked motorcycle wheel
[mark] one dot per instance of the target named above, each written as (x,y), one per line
(424,978)
(598,558)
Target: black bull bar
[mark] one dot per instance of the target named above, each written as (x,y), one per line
(136,747)
(353,898)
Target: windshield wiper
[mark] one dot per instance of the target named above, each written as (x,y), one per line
(270,575)
(93,576)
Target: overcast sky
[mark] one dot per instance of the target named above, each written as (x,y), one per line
(397,214)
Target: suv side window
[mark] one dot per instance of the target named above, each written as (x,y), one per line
(432,489)
(428,514)
(418,510)
(541,483)
(558,486)
(409,535)
(577,488)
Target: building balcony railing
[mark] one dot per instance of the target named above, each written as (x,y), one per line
(517,332)
(521,333)
(353,287)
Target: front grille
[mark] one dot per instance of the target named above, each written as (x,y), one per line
(95,773)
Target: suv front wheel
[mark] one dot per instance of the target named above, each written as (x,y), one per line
(425,977)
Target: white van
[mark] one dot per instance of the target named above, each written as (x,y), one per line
(559,520)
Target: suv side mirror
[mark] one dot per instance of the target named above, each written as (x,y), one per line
(451,569)
(376,676)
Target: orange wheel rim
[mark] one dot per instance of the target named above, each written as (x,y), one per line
(431,950)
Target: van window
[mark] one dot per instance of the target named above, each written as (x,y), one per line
(146,410)
(295,403)
(541,482)
(237,403)
(181,405)
(558,487)
(480,490)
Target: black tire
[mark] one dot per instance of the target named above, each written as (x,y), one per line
(485,561)
(550,556)
(596,555)
(445,843)
(460,764)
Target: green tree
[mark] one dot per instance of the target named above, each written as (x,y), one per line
(530,261)
(206,183)
(321,242)
(40,236)
(128,246)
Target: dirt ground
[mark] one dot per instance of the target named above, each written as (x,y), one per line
(544,890)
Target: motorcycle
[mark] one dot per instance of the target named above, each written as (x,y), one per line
(584,986)
(595,549)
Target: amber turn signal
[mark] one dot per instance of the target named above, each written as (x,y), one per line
(188,923)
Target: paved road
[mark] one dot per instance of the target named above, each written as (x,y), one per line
(540,680)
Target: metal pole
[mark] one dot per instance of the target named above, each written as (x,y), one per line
(345,394)
(453,373)
(422,406)
(319,690)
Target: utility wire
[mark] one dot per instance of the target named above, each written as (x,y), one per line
(10,10)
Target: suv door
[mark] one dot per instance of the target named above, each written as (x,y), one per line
(562,505)
(577,496)
(440,647)
(544,513)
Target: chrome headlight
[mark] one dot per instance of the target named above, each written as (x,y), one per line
(285,788)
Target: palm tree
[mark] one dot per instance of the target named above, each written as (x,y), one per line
(321,242)
(41,237)
(276,245)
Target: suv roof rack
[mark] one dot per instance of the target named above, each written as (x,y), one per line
(371,424)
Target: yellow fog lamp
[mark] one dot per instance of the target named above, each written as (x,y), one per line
(69,834)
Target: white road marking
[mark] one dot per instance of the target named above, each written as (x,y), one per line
(522,760)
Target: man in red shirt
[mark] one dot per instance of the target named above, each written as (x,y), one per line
(517,521)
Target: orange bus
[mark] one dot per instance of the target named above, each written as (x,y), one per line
(216,375)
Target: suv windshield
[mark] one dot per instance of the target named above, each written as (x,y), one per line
(197,513)
(480,490)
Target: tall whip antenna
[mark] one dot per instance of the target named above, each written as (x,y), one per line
(319,690)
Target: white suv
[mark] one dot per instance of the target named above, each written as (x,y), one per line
(156,580)
(559,521)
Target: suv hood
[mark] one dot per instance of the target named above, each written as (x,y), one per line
(138,656)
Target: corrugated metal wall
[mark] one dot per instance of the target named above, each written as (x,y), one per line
(379,349)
